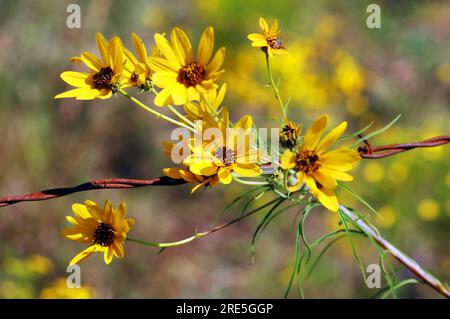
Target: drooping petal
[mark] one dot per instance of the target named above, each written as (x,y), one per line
(326,197)
(172,173)
(85,253)
(224,175)
(108,255)
(164,97)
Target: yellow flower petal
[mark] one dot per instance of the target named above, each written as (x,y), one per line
(287,160)
(205,169)
(217,61)
(91,61)
(247,170)
(164,97)
(172,173)
(77,79)
(103,46)
(313,134)
(181,46)
(224,175)
(263,25)
(331,137)
(205,46)
(326,197)
(85,253)
(167,51)
(139,47)
(255,37)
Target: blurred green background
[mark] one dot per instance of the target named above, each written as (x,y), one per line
(336,65)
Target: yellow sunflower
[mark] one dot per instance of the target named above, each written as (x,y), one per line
(210,102)
(269,40)
(233,151)
(317,167)
(104,75)
(104,230)
(181,76)
(184,173)
(138,67)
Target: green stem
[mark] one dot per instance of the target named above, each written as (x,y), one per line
(202,234)
(243,181)
(152,111)
(274,86)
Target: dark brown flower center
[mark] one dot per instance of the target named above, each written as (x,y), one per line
(104,235)
(134,77)
(102,79)
(307,161)
(191,74)
(274,42)
(226,155)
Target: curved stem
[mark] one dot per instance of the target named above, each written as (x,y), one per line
(152,111)
(245,182)
(174,110)
(409,263)
(202,234)
(274,86)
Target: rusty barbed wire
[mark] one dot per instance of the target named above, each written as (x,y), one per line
(366,151)
(369,152)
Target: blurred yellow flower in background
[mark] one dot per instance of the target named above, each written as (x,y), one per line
(59,290)
(387,217)
(182,77)
(104,230)
(428,209)
(373,172)
(269,40)
(104,75)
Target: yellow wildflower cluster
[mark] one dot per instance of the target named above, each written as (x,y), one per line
(216,150)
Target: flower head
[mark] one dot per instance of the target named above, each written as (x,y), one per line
(290,134)
(138,67)
(181,76)
(209,102)
(269,40)
(231,152)
(317,167)
(105,73)
(104,230)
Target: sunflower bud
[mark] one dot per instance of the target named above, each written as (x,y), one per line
(290,134)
